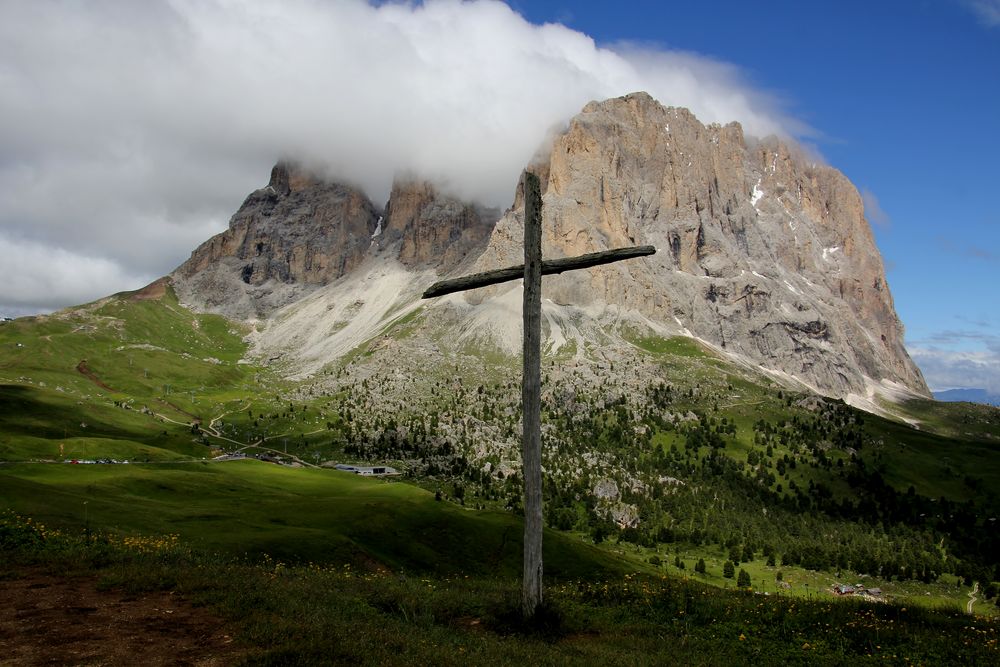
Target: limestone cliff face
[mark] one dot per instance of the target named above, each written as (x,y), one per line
(430,229)
(292,235)
(301,232)
(762,251)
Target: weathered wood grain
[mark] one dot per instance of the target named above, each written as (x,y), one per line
(531,396)
(549,267)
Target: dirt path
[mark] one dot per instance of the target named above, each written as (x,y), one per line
(47,620)
(183,412)
(85,371)
(207,431)
(211,423)
(972,597)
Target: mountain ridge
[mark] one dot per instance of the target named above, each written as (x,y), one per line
(968,394)
(764,255)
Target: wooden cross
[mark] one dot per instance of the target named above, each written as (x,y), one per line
(531,382)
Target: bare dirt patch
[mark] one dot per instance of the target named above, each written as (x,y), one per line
(47,620)
(154,290)
(84,370)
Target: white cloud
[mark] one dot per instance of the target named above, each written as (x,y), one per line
(132,130)
(977,368)
(873,210)
(41,278)
(988,11)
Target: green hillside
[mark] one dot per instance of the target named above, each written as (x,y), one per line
(292,515)
(662,455)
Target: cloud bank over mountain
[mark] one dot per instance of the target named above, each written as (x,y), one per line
(944,367)
(133,130)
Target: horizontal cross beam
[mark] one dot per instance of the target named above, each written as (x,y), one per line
(549,267)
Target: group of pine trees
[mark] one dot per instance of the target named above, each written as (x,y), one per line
(780,492)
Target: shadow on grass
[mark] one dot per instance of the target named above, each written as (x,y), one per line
(549,623)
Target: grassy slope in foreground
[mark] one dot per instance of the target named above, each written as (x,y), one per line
(295,515)
(320,615)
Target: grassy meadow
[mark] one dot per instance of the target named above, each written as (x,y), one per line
(254,509)
(314,614)
(315,566)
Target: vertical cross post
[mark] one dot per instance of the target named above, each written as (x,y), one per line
(531,381)
(531,386)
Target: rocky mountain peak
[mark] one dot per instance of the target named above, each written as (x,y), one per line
(301,232)
(280,179)
(294,234)
(433,229)
(764,253)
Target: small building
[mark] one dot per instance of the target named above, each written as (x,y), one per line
(844,589)
(367,471)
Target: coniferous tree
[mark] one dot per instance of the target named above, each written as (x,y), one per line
(728,569)
(700,567)
(743,581)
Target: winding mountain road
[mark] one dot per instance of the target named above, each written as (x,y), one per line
(972,597)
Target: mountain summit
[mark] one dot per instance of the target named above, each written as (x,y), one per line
(764,255)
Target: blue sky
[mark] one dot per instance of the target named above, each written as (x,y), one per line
(133,130)
(904,98)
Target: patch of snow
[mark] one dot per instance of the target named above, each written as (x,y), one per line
(791,288)
(758,275)
(377,232)
(757,194)
(684,330)
(829,251)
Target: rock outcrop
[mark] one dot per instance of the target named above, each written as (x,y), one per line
(301,232)
(431,229)
(294,234)
(762,251)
